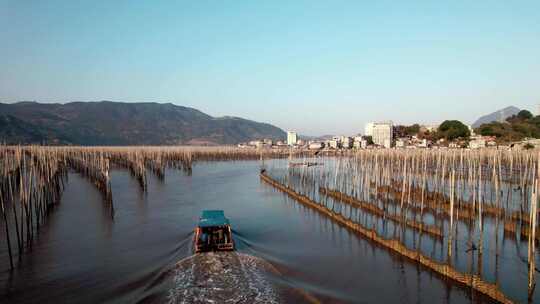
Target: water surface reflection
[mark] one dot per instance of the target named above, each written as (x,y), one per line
(82,256)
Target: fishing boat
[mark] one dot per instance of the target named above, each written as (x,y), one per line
(213,232)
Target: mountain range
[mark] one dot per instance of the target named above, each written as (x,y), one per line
(121,123)
(499,116)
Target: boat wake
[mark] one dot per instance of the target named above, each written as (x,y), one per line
(223,277)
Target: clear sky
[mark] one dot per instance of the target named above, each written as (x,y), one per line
(318,67)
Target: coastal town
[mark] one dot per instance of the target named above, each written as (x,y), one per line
(387,135)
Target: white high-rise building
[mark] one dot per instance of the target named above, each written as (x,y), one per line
(382,133)
(291,138)
(368,131)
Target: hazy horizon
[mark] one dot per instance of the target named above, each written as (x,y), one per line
(311,67)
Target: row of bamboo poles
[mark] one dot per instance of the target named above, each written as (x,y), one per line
(445,270)
(30,187)
(430,192)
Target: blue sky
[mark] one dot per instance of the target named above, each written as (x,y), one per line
(318,67)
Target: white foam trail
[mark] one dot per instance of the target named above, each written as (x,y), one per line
(222,277)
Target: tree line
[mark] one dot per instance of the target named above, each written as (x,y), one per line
(514,128)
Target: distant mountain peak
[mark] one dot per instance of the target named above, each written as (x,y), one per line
(499,116)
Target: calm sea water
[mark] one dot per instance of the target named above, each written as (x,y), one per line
(82,256)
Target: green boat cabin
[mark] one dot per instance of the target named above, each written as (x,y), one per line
(213,232)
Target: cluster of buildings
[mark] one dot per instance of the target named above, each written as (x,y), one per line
(376,135)
(292,140)
(264,143)
(336,142)
(341,142)
(383,138)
